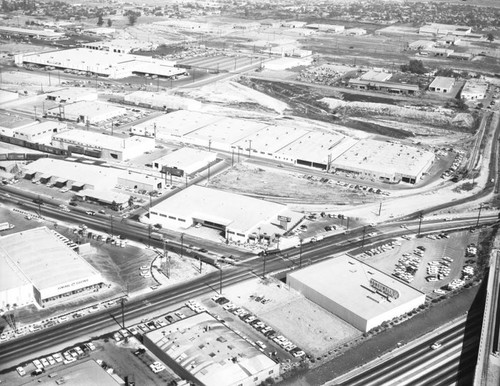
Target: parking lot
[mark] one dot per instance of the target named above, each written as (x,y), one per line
(426,263)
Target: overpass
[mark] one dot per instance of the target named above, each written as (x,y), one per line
(488,362)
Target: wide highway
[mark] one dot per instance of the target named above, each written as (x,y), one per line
(22,347)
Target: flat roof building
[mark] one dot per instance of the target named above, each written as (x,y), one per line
(90,111)
(376,76)
(390,87)
(53,269)
(373,296)
(8,96)
(40,132)
(421,45)
(238,217)
(34,33)
(385,161)
(442,84)
(10,123)
(162,100)
(95,61)
(444,29)
(206,352)
(105,145)
(72,95)
(187,160)
(474,90)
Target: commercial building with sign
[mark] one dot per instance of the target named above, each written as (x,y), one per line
(41,258)
(374,297)
(206,352)
(238,217)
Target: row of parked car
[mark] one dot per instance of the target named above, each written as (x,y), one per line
(252,320)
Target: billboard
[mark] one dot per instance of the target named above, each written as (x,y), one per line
(172,171)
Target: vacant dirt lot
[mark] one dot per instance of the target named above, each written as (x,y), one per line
(284,186)
(300,320)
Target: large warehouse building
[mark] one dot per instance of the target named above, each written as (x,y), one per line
(103,145)
(206,352)
(374,297)
(82,176)
(238,217)
(86,112)
(186,160)
(385,161)
(52,269)
(102,63)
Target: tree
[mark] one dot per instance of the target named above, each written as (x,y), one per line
(461,105)
(100,22)
(415,67)
(132,19)
(110,22)
(490,37)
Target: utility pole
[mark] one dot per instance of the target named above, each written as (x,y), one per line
(364,233)
(232,156)
(479,214)
(249,147)
(208,176)
(220,281)
(149,235)
(380,208)
(264,272)
(123,311)
(199,260)
(111,224)
(421,216)
(347,226)
(300,254)
(182,244)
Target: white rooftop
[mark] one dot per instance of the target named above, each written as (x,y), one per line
(442,82)
(341,276)
(316,146)
(376,76)
(100,177)
(233,210)
(184,157)
(44,259)
(93,139)
(43,126)
(384,157)
(227,130)
(93,110)
(205,348)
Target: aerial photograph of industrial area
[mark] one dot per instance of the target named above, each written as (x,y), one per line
(250,192)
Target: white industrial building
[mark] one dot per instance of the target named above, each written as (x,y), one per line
(239,218)
(385,161)
(40,132)
(79,176)
(442,84)
(103,145)
(187,160)
(162,100)
(474,90)
(41,258)
(86,111)
(421,45)
(8,96)
(72,95)
(204,351)
(44,34)
(9,123)
(356,292)
(376,76)
(444,29)
(326,27)
(100,62)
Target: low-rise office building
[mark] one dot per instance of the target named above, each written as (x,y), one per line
(442,84)
(374,297)
(204,351)
(474,90)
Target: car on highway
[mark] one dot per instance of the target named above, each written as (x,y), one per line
(90,212)
(21,371)
(436,345)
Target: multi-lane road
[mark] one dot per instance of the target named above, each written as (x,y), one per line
(19,348)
